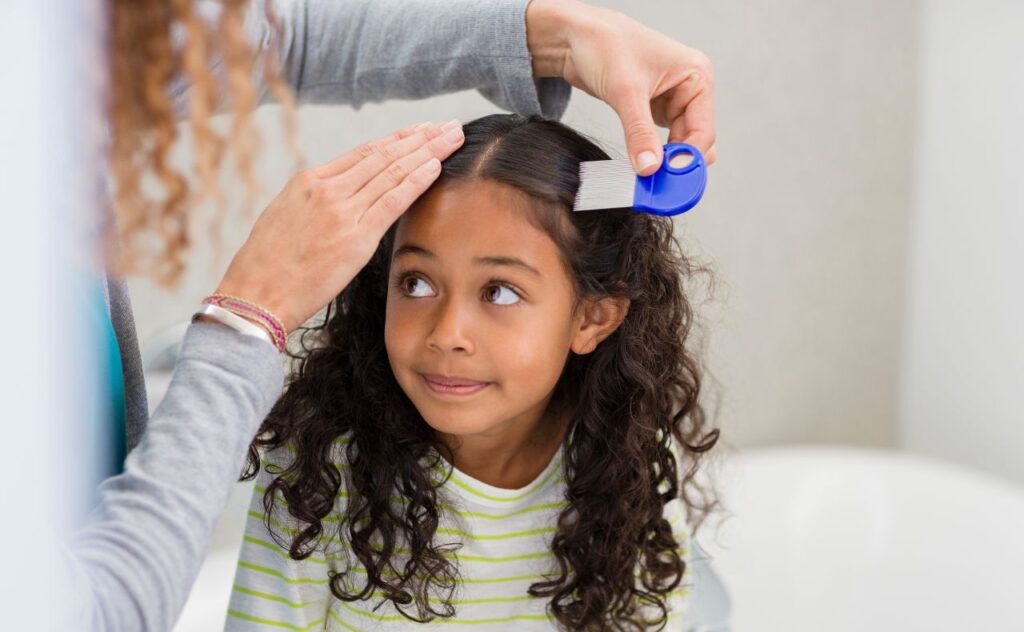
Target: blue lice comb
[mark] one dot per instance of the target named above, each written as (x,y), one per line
(674,188)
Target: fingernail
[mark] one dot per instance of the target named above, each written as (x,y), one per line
(451,124)
(646,159)
(422,126)
(454,135)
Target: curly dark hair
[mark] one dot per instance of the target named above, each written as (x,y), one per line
(633,401)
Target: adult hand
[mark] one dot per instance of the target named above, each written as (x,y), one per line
(326,223)
(647,78)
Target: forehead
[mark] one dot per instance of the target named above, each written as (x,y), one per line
(476,218)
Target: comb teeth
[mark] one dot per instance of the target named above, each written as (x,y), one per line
(605,184)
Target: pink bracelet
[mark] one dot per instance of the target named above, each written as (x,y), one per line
(254,312)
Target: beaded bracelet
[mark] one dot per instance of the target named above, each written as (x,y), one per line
(252,311)
(234,321)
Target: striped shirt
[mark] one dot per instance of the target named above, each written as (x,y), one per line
(504,538)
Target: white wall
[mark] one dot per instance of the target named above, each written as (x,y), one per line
(805,216)
(963,372)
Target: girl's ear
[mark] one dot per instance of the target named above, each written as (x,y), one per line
(598,320)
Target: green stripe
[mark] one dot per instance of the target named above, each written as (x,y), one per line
(510,558)
(499,536)
(466,602)
(274,522)
(515,617)
(309,580)
(378,617)
(278,624)
(492,580)
(341,621)
(511,514)
(443,531)
(277,598)
(387,618)
(273,546)
(500,580)
(276,573)
(446,507)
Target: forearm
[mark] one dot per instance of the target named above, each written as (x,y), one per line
(361,51)
(145,542)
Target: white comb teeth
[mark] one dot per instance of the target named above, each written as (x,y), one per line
(605,184)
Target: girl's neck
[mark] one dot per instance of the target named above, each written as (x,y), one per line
(511,457)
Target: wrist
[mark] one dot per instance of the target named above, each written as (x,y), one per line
(548,26)
(210,313)
(261,295)
(245,316)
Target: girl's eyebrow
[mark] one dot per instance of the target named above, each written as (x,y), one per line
(411,249)
(515,262)
(509,261)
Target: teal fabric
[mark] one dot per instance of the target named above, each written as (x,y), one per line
(113,438)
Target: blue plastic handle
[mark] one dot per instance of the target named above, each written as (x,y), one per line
(672,190)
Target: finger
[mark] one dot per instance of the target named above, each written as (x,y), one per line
(399,170)
(377,159)
(694,122)
(345,162)
(642,139)
(677,134)
(709,157)
(390,206)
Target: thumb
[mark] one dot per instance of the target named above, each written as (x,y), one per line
(642,139)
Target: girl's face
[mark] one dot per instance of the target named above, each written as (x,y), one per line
(480,315)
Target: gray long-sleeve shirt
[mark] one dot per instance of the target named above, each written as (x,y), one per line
(132,566)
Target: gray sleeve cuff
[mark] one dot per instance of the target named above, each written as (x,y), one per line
(517,89)
(365,51)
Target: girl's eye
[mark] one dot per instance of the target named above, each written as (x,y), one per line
(503,296)
(412,284)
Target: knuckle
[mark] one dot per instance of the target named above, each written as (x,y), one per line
(704,69)
(320,195)
(366,150)
(387,152)
(422,178)
(395,172)
(638,130)
(305,180)
(431,132)
(391,202)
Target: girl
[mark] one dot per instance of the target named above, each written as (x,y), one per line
(498,422)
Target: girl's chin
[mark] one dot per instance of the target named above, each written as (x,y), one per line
(452,425)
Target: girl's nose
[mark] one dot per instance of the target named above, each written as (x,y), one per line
(451,328)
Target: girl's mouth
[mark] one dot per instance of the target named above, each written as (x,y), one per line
(452,385)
